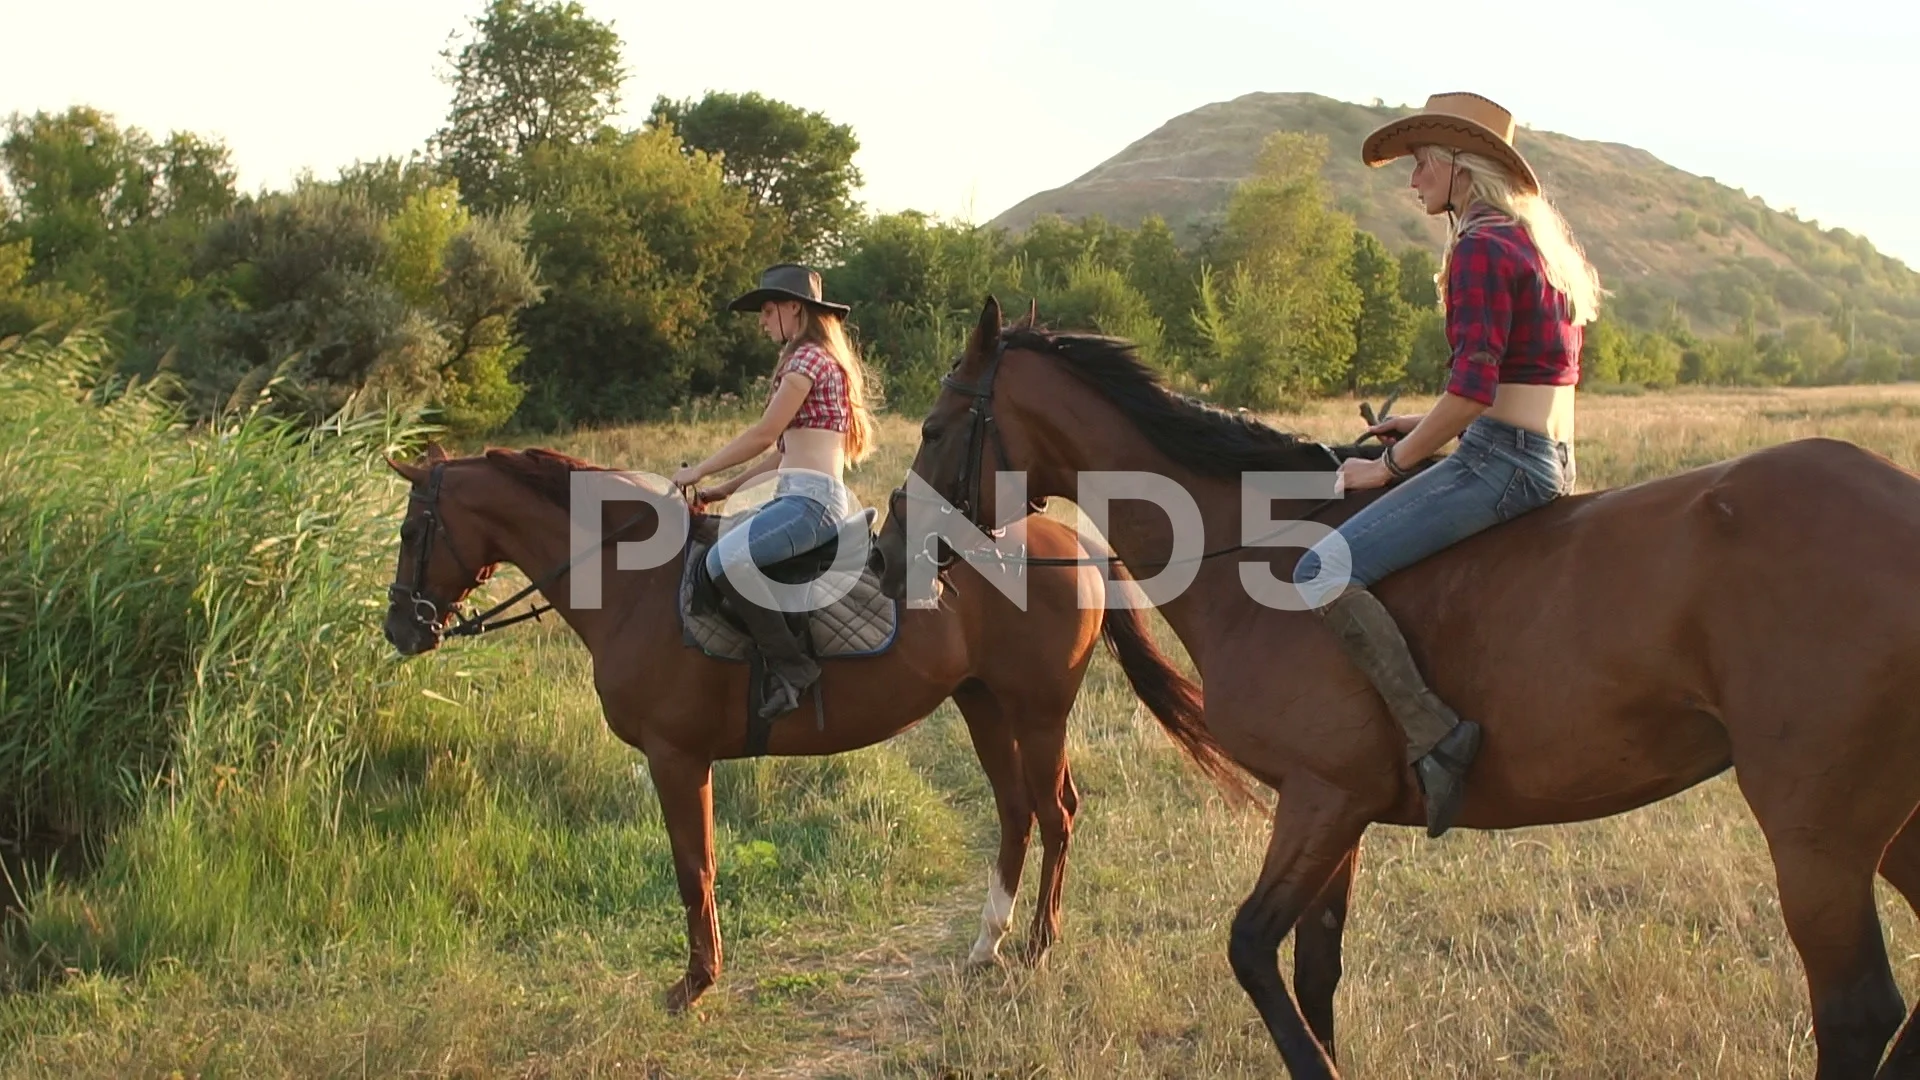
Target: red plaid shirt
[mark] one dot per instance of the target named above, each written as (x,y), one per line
(1505,322)
(827,404)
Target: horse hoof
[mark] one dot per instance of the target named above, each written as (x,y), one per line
(979,960)
(682,995)
(1035,956)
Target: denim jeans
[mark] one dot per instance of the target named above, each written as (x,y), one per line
(1498,473)
(784,526)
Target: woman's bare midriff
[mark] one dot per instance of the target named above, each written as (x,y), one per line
(1547,410)
(815,450)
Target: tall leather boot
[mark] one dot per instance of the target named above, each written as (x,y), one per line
(1440,745)
(790,670)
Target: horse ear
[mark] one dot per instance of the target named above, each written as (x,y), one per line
(986,335)
(410,473)
(436,455)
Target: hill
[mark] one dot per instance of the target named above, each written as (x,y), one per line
(1664,240)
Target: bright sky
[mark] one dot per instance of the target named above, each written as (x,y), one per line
(964,109)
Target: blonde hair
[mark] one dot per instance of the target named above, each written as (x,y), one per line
(1561,257)
(827,330)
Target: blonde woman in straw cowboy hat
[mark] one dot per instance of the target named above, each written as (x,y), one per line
(817,422)
(1518,293)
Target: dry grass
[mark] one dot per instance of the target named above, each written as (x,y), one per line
(1649,944)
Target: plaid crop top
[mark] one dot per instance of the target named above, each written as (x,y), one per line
(1505,321)
(828,405)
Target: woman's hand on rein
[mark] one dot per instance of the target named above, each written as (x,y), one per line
(1395,426)
(1359,474)
(686,477)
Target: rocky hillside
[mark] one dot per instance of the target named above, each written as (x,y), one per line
(1663,239)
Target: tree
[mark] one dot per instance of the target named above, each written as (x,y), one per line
(1418,287)
(1163,274)
(110,211)
(1383,332)
(1280,325)
(640,246)
(796,166)
(1098,299)
(316,296)
(534,74)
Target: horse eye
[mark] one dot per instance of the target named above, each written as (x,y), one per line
(929,432)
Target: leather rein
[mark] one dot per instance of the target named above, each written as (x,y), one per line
(427,613)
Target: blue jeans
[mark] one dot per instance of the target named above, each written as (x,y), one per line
(785,526)
(1498,473)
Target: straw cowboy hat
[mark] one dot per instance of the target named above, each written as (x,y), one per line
(787,281)
(1464,122)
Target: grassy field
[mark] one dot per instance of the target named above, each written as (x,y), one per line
(463,874)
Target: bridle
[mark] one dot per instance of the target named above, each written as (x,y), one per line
(425,610)
(983,430)
(427,613)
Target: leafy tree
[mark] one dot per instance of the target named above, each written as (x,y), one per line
(1430,361)
(1279,327)
(316,296)
(1098,299)
(1418,285)
(110,214)
(1166,277)
(388,183)
(1051,248)
(1383,332)
(25,306)
(640,245)
(796,166)
(533,74)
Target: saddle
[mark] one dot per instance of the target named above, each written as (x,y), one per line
(863,622)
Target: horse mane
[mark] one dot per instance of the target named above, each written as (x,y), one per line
(1205,438)
(549,473)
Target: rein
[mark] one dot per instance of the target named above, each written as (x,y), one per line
(972,482)
(426,611)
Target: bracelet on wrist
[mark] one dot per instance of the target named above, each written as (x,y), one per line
(1393,467)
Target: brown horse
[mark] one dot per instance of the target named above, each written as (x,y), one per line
(1013,674)
(1618,648)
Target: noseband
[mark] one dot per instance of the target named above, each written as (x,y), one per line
(426,611)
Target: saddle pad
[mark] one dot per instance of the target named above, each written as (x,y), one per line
(861,623)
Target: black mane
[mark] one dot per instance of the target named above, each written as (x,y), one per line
(549,474)
(1209,440)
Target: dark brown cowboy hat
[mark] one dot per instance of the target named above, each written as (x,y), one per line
(787,281)
(1460,121)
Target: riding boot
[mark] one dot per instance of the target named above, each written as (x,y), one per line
(1440,746)
(790,670)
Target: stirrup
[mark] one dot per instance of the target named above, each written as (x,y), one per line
(1442,774)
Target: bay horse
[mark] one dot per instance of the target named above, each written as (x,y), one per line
(1014,675)
(1618,647)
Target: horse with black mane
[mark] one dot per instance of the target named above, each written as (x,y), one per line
(1618,647)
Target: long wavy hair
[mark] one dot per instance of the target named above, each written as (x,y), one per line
(827,330)
(1560,254)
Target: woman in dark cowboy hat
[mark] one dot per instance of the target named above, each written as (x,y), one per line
(1518,293)
(816,423)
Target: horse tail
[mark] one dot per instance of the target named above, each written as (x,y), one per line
(1175,700)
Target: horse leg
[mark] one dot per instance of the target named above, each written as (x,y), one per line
(1900,865)
(1315,829)
(685,785)
(1043,753)
(1824,858)
(1316,951)
(999,755)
